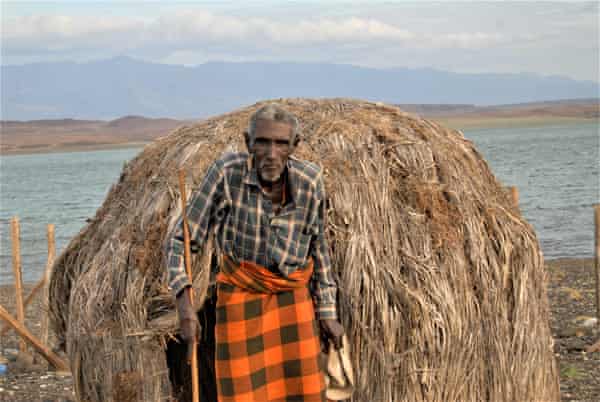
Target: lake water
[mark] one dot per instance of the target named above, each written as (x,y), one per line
(554,167)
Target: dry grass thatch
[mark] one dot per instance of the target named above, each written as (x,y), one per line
(442,285)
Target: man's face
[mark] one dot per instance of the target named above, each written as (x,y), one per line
(271,148)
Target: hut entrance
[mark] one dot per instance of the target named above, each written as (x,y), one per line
(179,369)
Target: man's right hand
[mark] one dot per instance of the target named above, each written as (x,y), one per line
(190,334)
(190,329)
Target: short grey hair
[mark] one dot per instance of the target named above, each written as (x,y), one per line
(274,112)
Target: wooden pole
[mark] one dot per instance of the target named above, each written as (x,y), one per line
(37,345)
(514,195)
(28,300)
(597,264)
(43,281)
(16,254)
(188,269)
(46,279)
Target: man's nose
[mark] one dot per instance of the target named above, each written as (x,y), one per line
(272,151)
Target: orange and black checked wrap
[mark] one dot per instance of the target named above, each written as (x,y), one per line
(267,344)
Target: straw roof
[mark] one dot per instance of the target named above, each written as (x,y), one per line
(442,283)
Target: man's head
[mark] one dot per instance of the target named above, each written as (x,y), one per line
(272,136)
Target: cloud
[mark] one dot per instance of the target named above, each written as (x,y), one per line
(195,28)
(460,36)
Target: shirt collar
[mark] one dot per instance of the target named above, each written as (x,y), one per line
(251,176)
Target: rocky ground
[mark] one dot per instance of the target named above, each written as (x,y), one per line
(572,301)
(28,377)
(570,290)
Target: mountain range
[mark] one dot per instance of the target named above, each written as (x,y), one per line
(107,89)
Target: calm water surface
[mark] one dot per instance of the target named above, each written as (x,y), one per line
(556,170)
(554,167)
(60,188)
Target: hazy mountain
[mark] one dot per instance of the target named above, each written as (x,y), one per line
(123,86)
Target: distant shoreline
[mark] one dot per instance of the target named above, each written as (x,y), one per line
(66,149)
(60,136)
(465,123)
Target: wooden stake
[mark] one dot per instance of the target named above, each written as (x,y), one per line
(16,254)
(46,279)
(33,341)
(514,195)
(28,300)
(188,269)
(597,224)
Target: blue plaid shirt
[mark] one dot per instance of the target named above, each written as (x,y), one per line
(231,200)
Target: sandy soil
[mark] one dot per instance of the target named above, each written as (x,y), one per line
(570,290)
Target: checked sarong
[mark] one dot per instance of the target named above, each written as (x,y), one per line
(267,343)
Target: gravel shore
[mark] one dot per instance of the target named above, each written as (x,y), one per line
(570,289)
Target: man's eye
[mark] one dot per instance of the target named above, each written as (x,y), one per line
(261,141)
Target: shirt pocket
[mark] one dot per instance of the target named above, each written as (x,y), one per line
(294,235)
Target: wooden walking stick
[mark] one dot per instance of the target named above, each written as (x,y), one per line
(188,268)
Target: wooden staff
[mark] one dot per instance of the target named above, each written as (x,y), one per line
(597,220)
(16,254)
(188,269)
(36,343)
(46,279)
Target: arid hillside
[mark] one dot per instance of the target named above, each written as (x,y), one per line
(68,134)
(471,116)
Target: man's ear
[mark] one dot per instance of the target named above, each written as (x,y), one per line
(295,143)
(247,140)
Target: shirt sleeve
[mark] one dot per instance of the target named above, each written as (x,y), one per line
(323,285)
(203,211)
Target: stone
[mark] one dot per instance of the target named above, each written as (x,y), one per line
(575,331)
(10,354)
(23,362)
(593,348)
(574,344)
(585,321)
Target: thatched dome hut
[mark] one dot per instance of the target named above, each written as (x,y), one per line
(442,282)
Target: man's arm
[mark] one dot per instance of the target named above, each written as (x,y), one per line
(205,209)
(324,288)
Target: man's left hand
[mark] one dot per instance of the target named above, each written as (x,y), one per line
(332,330)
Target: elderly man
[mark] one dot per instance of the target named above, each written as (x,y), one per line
(274,280)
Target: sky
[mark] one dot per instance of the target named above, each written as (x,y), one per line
(546,38)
